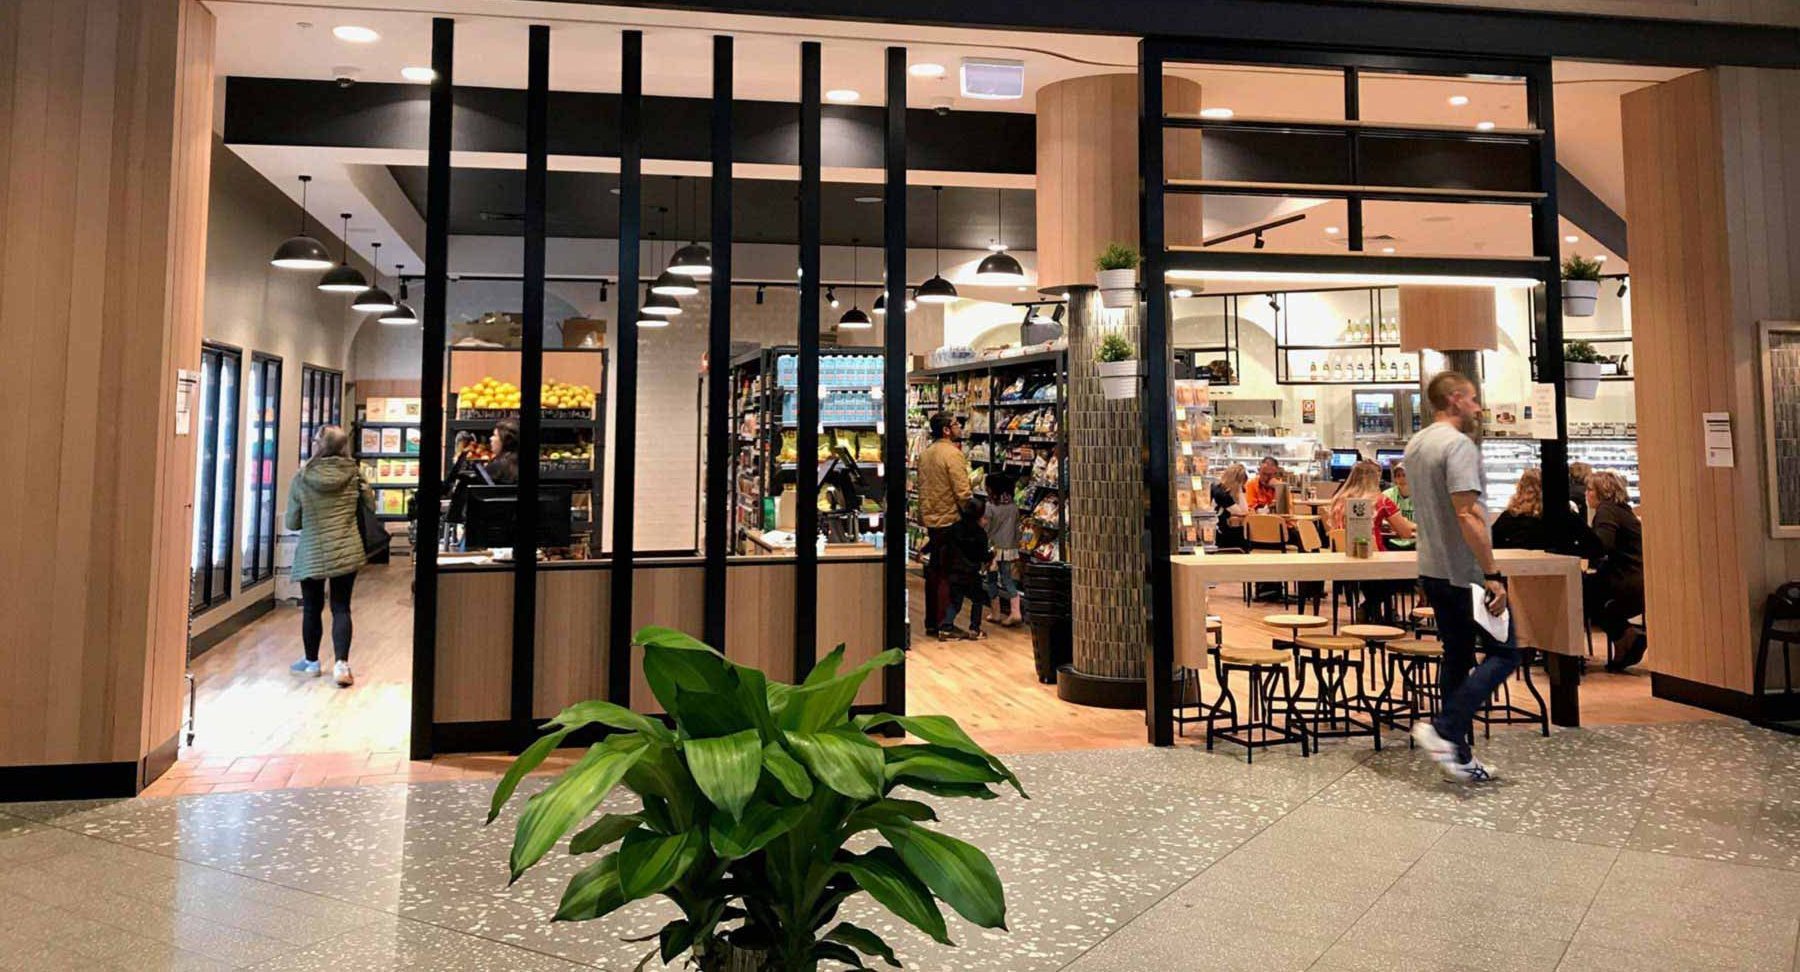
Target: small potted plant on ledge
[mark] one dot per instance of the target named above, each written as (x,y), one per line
(1116,363)
(1581,370)
(1116,275)
(749,796)
(1580,286)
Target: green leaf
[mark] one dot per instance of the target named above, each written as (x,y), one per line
(888,811)
(837,952)
(935,765)
(882,873)
(607,714)
(787,771)
(843,759)
(955,871)
(533,757)
(753,699)
(974,791)
(593,892)
(574,795)
(761,823)
(822,705)
(726,768)
(662,637)
(826,668)
(676,937)
(777,698)
(708,714)
(939,730)
(682,662)
(864,941)
(603,831)
(649,863)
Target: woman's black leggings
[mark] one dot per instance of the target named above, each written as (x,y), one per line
(312,609)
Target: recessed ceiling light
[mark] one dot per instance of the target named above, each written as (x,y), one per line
(865,200)
(1486,126)
(926,69)
(422,74)
(1459,100)
(1600,258)
(1387,249)
(1181,292)
(842,95)
(1331,231)
(355,34)
(1571,239)
(1216,113)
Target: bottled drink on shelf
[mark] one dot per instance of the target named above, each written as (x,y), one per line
(1313,370)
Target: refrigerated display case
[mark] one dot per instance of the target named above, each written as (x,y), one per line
(1385,414)
(1504,459)
(1298,454)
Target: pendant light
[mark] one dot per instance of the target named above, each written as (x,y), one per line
(854,319)
(375,300)
(656,303)
(1000,268)
(881,304)
(669,283)
(344,278)
(402,312)
(937,290)
(692,260)
(302,252)
(655,317)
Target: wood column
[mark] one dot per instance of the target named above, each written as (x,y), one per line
(1714,199)
(105,142)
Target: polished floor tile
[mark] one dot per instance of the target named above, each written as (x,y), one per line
(1645,847)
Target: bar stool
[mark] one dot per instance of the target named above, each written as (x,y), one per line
(1424,620)
(1375,638)
(1295,623)
(1191,695)
(1269,689)
(1331,710)
(1414,668)
(1504,713)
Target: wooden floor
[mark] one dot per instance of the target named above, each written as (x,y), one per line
(259,727)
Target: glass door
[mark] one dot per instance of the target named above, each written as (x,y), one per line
(1377,414)
(215,479)
(321,404)
(259,484)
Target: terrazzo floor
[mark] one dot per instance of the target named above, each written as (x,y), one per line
(1624,847)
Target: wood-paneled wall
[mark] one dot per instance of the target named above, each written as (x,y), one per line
(105,121)
(1713,188)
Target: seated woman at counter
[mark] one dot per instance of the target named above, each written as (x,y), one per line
(1401,494)
(1521,525)
(1614,590)
(1364,482)
(1228,501)
(503,469)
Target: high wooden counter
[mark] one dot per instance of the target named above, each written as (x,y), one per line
(1545,594)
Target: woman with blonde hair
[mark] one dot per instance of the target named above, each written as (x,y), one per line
(1228,501)
(1364,482)
(1521,526)
(1614,591)
(324,504)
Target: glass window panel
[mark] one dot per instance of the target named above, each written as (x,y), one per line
(1455,102)
(1498,164)
(1254,91)
(1229,223)
(225,480)
(1447,229)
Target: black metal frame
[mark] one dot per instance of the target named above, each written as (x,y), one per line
(211,599)
(806,406)
(312,374)
(259,570)
(624,485)
(720,429)
(893,576)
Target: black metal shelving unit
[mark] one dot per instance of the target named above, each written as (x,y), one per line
(1373,346)
(1195,360)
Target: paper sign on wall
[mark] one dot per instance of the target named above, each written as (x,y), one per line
(1718,439)
(1309,411)
(1539,415)
(185,381)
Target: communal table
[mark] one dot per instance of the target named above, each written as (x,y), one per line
(1544,590)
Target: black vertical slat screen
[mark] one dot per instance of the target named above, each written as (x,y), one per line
(527,514)
(806,411)
(893,442)
(624,491)
(720,435)
(1158,674)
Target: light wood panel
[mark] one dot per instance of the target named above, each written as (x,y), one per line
(572,617)
(474,646)
(673,597)
(1448,319)
(105,111)
(759,611)
(850,614)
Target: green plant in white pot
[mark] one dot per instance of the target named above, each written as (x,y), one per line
(746,807)
(1581,370)
(1115,361)
(1580,286)
(1116,275)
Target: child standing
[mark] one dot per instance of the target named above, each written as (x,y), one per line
(967,556)
(1003,536)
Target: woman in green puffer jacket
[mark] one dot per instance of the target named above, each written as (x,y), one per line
(323,505)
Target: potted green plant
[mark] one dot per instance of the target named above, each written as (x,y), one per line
(1580,286)
(1581,370)
(746,805)
(1115,360)
(1116,275)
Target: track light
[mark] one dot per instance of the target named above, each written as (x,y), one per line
(302,252)
(1056,316)
(759,293)
(831,297)
(602,291)
(402,312)
(1258,243)
(1274,304)
(1621,287)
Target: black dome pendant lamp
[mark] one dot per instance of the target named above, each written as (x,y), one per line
(657,307)
(302,252)
(402,312)
(1000,268)
(937,290)
(694,259)
(344,278)
(669,283)
(375,300)
(854,319)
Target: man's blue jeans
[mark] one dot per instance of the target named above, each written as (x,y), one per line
(1464,690)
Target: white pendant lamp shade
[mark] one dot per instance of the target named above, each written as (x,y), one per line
(672,284)
(344,278)
(302,252)
(375,300)
(937,290)
(661,305)
(693,260)
(1000,269)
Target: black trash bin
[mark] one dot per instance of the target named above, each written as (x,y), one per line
(1047,611)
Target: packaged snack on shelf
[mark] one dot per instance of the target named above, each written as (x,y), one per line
(868,447)
(790,446)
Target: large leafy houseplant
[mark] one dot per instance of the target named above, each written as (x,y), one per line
(747,805)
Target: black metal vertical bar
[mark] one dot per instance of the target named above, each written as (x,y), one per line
(624,481)
(1160,670)
(806,409)
(1353,112)
(431,384)
(893,383)
(1546,243)
(526,516)
(720,434)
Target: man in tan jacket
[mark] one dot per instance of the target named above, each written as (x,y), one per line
(943,489)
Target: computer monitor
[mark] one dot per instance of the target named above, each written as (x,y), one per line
(1387,459)
(492,511)
(1342,461)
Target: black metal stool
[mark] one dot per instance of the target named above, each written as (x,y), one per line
(1375,638)
(1423,620)
(1412,667)
(1191,696)
(1267,671)
(1331,711)
(1780,611)
(1504,713)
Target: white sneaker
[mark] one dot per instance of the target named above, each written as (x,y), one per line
(1425,735)
(341,674)
(1473,771)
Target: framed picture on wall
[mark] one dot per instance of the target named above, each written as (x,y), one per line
(1781,424)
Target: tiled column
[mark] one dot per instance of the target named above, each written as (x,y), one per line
(1106,516)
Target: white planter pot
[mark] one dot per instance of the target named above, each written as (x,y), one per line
(1578,297)
(1118,379)
(1581,379)
(1118,288)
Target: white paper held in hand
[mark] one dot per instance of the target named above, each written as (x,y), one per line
(1496,625)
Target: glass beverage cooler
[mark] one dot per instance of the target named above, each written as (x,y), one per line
(1385,414)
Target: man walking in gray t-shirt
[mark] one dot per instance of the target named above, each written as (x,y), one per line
(1455,555)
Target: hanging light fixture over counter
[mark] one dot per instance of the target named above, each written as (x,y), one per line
(344,278)
(302,252)
(937,290)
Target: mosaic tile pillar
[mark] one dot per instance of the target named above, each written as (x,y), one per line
(1111,623)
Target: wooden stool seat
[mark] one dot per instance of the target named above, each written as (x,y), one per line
(1295,621)
(1373,632)
(1417,648)
(1334,643)
(1214,623)
(1425,613)
(1253,655)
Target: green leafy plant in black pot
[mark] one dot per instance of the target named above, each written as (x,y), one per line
(746,807)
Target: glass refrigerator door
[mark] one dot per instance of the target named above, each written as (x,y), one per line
(1377,414)
(1413,410)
